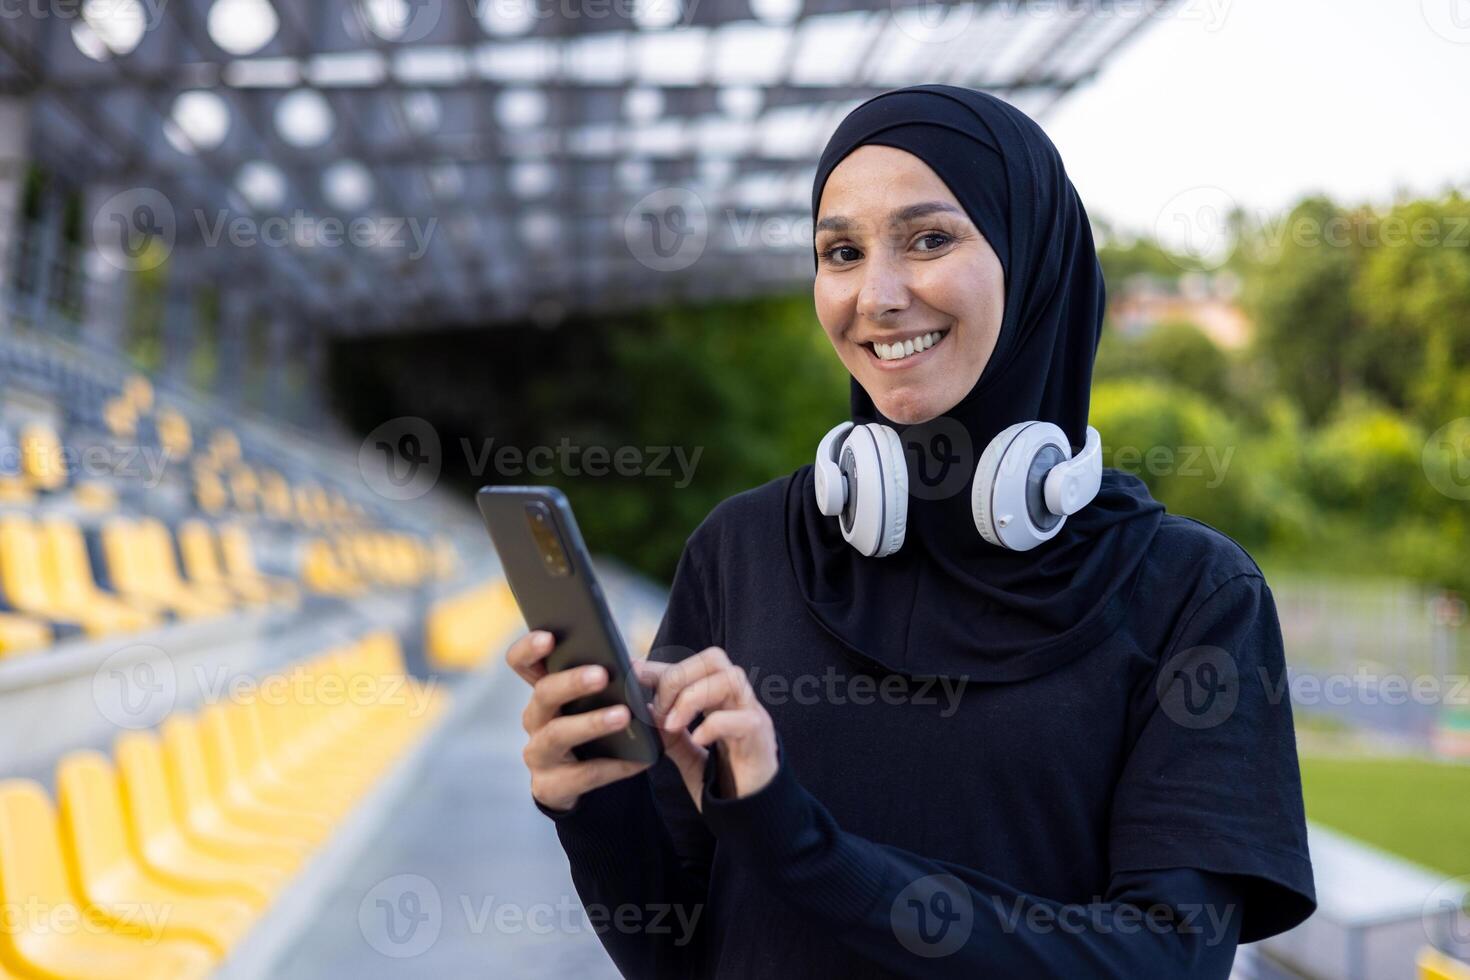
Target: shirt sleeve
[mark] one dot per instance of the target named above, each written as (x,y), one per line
(640,841)
(915,916)
(1212,781)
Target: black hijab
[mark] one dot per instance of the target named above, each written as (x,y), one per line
(948,603)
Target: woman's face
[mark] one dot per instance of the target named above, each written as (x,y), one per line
(899,262)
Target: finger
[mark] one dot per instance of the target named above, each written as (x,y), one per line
(725,689)
(556,689)
(552,743)
(526,655)
(685,672)
(733,725)
(576,778)
(649,671)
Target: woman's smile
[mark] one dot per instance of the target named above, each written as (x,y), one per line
(897,354)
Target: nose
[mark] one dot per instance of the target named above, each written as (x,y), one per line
(885,288)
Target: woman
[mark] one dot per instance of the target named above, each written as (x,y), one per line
(959,758)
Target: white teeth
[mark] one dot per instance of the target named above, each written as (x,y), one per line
(898,351)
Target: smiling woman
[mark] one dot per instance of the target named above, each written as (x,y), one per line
(1114,789)
(897,280)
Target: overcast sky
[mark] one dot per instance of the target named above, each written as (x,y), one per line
(1261,101)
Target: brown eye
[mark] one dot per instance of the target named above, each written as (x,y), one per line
(943,240)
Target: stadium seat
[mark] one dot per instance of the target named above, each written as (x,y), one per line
(139,569)
(23,634)
(174,433)
(200,551)
(42,459)
(48,931)
(33,585)
(110,880)
(68,574)
(233,790)
(240,565)
(206,823)
(158,837)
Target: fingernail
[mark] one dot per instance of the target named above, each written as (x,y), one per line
(669,724)
(613,716)
(543,641)
(591,675)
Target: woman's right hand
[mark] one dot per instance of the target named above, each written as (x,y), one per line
(558,778)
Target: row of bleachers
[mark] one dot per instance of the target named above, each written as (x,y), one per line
(155,860)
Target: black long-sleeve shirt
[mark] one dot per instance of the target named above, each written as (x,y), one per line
(1136,812)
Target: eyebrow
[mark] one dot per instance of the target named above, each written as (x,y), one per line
(840,222)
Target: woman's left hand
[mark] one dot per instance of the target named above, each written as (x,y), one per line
(709,683)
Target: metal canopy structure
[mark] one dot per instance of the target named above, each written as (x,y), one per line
(382,165)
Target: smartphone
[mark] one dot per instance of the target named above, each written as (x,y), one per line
(550,574)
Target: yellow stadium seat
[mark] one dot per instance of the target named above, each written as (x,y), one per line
(324,571)
(174,433)
(95,496)
(48,933)
(244,488)
(275,495)
(206,823)
(232,790)
(240,565)
(23,634)
(209,491)
(42,460)
(159,840)
(162,561)
(34,588)
(201,555)
(224,447)
(1434,965)
(141,572)
(111,881)
(120,417)
(69,581)
(462,630)
(138,391)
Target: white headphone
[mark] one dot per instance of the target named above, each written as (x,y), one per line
(1025,485)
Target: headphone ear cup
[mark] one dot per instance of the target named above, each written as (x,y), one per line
(875,516)
(827,479)
(1007,498)
(982,490)
(896,467)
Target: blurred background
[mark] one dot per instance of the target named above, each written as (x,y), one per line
(284,282)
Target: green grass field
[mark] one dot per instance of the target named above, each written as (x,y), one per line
(1417,809)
